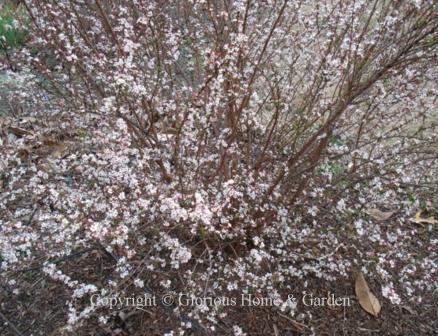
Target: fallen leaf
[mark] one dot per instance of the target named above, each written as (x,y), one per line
(378,214)
(275,330)
(295,324)
(409,310)
(60,150)
(418,220)
(24,152)
(366,299)
(19,132)
(298,326)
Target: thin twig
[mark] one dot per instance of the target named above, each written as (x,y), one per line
(10,324)
(56,261)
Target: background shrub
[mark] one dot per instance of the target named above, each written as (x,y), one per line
(12,30)
(188,141)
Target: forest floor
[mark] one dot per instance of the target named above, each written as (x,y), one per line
(40,310)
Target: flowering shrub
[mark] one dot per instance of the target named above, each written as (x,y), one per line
(204,139)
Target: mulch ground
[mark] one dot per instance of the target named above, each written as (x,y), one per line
(40,310)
